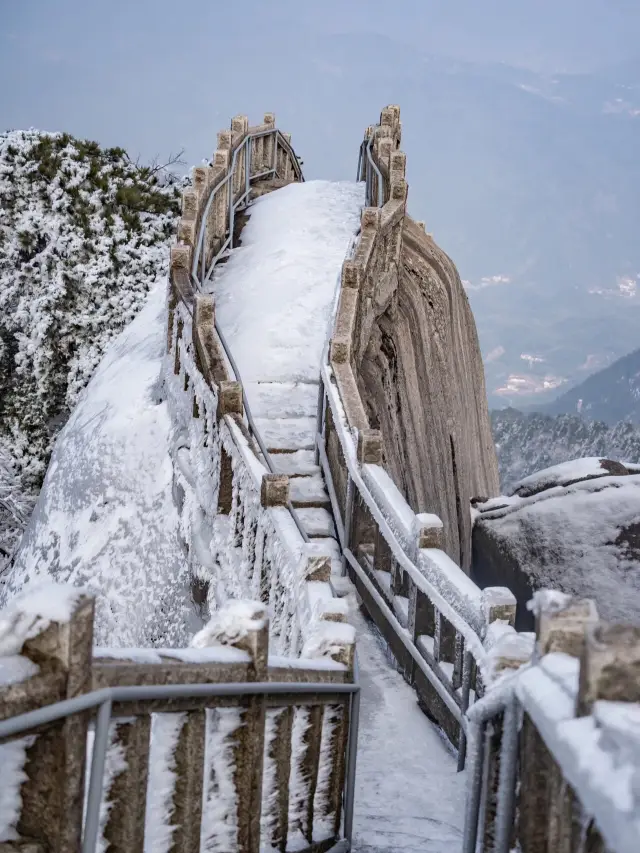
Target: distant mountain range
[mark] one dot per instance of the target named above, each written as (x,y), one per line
(610,395)
(529,442)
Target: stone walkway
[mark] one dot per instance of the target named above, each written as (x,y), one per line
(409,796)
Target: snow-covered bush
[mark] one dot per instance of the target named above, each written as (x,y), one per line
(530,442)
(16,503)
(83,235)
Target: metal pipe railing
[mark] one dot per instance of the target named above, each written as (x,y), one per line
(278,139)
(199,259)
(105,698)
(369,177)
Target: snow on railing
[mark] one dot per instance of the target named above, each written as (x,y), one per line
(555,746)
(242,534)
(435,619)
(218,746)
(240,537)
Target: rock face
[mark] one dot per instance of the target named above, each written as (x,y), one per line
(422,381)
(574,527)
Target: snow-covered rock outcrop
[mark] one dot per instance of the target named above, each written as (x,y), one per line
(105,518)
(574,527)
(83,236)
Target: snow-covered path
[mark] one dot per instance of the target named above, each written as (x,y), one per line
(409,796)
(274,295)
(273,303)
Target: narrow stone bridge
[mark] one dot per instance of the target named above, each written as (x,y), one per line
(351,687)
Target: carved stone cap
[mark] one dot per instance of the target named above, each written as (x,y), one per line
(370,447)
(274,490)
(609,665)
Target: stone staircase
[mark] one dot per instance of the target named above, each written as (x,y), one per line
(286,415)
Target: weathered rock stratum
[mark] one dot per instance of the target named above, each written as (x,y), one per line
(573,527)
(422,381)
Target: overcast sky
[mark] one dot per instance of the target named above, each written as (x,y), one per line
(155,76)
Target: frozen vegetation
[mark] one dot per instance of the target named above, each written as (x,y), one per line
(531,442)
(83,236)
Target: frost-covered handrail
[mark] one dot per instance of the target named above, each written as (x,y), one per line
(221,708)
(255,432)
(371,169)
(241,538)
(551,731)
(278,140)
(209,210)
(434,617)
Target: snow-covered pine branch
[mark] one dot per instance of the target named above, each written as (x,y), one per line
(83,235)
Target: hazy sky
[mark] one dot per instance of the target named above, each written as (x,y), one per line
(154,76)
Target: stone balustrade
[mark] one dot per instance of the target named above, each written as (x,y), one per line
(241,771)
(240,538)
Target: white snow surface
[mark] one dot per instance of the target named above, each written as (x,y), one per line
(598,754)
(409,795)
(31,612)
(572,538)
(105,519)
(561,475)
(231,624)
(274,296)
(15,669)
(13,755)
(165,734)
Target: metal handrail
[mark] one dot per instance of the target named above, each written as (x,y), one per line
(235,205)
(199,259)
(369,177)
(255,431)
(104,699)
(436,678)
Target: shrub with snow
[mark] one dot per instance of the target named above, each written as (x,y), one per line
(531,442)
(83,236)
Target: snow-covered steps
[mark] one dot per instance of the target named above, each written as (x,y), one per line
(298,463)
(274,300)
(309,492)
(283,399)
(317,522)
(287,433)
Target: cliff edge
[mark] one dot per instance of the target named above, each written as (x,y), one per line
(422,381)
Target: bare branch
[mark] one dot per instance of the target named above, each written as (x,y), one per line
(173,160)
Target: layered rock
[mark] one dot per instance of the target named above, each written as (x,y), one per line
(422,381)
(574,527)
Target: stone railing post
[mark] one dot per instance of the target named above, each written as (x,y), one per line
(561,622)
(507,652)
(428,531)
(127,795)
(545,801)
(59,622)
(330,637)
(220,205)
(609,666)
(269,142)
(274,490)
(242,625)
(370,447)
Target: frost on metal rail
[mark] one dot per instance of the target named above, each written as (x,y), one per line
(182,747)
(560,739)
(245,157)
(241,531)
(435,620)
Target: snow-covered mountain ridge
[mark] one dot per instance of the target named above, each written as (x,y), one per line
(528,442)
(83,236)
